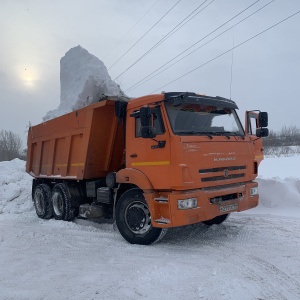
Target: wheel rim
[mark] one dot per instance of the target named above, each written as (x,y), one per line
(39,202)
(137,217)
(58,205)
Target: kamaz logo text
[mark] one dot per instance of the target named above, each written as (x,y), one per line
(224,158)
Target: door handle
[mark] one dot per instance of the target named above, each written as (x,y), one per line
(133,155)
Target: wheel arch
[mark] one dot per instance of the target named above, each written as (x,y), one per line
(130,178)
(134,177)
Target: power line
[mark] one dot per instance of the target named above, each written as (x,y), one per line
(143,35)
(147,78)
(180,25)
(237,46)
(169,34)
(126,34)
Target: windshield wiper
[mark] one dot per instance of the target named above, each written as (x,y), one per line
(194,132)
(228,133)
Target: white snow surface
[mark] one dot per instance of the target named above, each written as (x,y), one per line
(253,255)
(83,80)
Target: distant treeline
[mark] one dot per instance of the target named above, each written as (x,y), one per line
(10,146)
(284,142)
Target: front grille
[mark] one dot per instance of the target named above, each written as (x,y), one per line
(225,173)
(224,198)
(232,168)
(216,178)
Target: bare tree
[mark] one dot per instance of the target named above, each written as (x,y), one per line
(10,145)
(284,142)
(290,136)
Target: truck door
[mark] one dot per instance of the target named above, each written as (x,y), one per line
(149,155)
(251,125)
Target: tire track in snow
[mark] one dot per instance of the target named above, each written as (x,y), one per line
(279,278)
(235,260)
(231,244)
(273,283)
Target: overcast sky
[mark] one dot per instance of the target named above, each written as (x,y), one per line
(265,71)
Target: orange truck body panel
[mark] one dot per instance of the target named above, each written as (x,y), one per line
(85,144)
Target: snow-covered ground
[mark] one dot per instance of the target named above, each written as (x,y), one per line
(253,255)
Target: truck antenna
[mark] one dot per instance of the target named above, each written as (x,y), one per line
(231,65)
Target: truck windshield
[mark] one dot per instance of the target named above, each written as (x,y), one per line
(196,119)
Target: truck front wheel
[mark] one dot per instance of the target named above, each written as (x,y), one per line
(42,201)
(134,220)
(62,205)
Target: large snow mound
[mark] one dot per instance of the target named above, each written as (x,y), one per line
(279,187)
(15,188)
(83,80)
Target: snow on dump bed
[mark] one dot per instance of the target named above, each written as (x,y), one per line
(83,80)
(279,187)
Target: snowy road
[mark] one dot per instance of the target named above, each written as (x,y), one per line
(253,255)
(247,257)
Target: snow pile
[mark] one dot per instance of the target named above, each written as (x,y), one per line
(280,167)
(15,188)
(83,79)
(279,187)
(279,197)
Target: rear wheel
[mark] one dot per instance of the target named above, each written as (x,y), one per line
(217,220)
(134,220)
(42,201)
(61,202)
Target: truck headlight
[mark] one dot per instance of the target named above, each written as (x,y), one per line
(187,203)
(253,191)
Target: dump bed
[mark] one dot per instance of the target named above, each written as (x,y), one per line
(84,144)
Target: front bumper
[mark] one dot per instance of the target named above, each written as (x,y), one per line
(212,202)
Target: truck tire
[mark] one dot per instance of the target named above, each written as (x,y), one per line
(62,204)
(134,220)
(217,220)
(42,201)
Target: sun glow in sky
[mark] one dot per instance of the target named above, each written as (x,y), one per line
(28,76)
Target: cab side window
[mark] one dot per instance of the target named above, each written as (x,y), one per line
(138,127)
(252,124)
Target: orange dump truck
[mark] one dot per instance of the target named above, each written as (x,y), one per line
(150,163)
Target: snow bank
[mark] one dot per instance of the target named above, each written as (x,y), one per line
(83,80)
(279,197)
(15,188)
(280,167)
(279,187)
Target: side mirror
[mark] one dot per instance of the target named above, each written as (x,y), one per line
(263,119)
(262,132)
(148,132)
(146,116)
